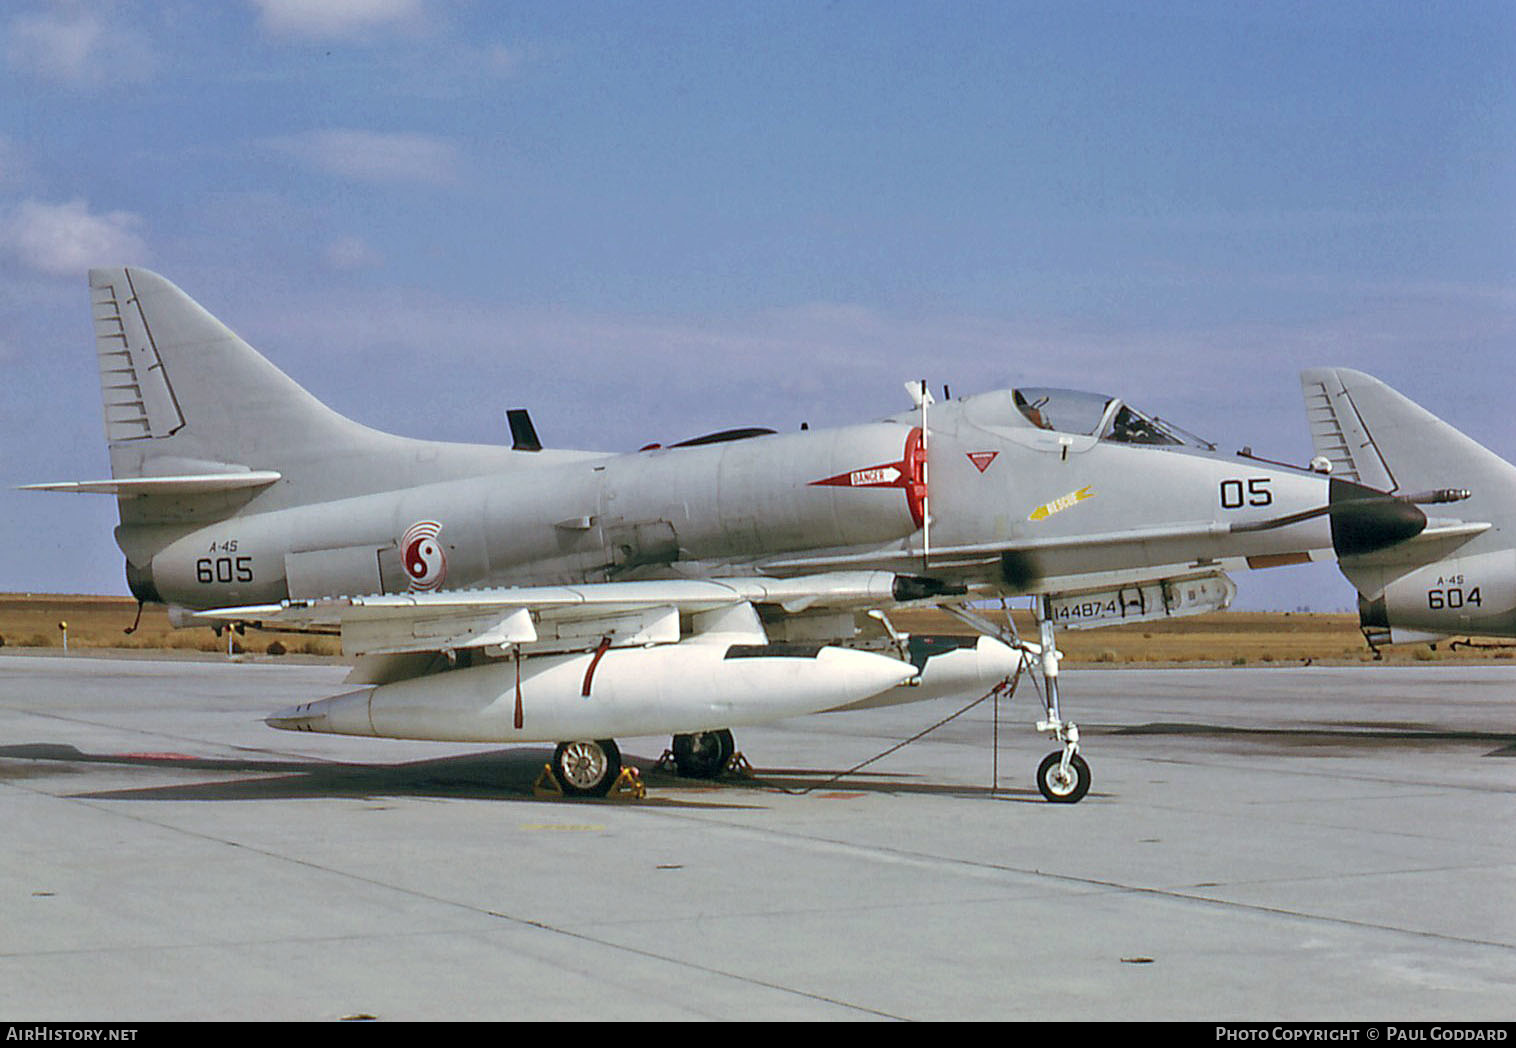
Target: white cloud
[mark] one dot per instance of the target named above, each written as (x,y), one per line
(376,156)
(325,19)
(78,48)
(498,58)
(67,239)
(352,253)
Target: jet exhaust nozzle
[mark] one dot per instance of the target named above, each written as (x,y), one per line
(1365,520)
(1372,613)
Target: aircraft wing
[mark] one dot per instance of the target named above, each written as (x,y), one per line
(548,618)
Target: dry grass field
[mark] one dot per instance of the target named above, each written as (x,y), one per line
(30,621)
(1228,638)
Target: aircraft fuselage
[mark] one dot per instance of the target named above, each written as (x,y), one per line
(872,495)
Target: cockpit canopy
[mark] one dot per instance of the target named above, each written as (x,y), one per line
(1098,415)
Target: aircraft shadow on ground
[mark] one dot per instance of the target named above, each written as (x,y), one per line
(501,775)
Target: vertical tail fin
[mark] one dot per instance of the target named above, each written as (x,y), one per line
(184,395)
(196,418)
(1377,437)
(202,428)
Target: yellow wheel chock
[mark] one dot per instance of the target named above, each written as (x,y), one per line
(628,785)
(547,784)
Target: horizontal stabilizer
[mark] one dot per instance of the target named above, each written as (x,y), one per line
(193,484)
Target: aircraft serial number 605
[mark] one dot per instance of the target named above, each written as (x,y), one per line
(223,570)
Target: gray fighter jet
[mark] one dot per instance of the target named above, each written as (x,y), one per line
(519,594)
(1459,575)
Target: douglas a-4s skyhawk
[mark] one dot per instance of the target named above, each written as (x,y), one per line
(1459,574)
(518,594)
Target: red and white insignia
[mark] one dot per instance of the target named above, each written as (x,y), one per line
(421,554)
(909,474)
(982,459)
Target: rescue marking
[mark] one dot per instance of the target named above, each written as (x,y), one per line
(1060,504)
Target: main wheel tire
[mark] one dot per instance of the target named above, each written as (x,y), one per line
(1061,788)
(587,769)
(704,754)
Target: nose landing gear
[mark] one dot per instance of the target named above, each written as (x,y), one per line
(1063,777)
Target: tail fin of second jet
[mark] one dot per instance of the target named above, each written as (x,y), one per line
(1458,575)
(1377,437)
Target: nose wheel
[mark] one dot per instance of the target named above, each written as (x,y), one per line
(1063,777)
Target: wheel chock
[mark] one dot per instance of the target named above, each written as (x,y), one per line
(547,784)
(628,786)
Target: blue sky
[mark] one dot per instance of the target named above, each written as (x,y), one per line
(646,221)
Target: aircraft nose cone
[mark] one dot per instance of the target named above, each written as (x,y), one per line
(1365,520)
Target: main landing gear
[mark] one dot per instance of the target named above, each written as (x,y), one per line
(587,768)
(703,754)
(1063,777)
(591,768)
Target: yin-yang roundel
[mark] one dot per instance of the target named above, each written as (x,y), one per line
(422,555)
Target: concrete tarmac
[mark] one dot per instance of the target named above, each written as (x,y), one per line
(1282,844)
